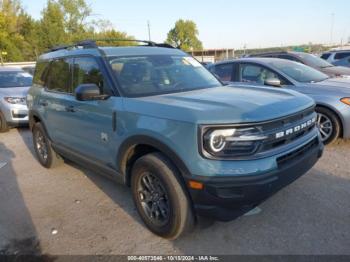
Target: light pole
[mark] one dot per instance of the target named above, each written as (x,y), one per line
(332,27)
(149,30)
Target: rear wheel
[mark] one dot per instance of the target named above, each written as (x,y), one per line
(3,124)
(160,198)
(43,149)
(328,124)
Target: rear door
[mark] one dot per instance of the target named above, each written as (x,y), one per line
(53,99)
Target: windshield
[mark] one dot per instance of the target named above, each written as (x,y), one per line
(313,60)
(299,72)
(15,79)
(160,74)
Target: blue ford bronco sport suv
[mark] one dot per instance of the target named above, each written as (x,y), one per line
(153,118)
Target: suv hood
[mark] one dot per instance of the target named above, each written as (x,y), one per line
(222,105)
(14,91)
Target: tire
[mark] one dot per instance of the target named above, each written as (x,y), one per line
(154,171)
(3,123)
(45,154)
(328,124)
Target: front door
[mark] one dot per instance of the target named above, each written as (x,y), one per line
(91,125)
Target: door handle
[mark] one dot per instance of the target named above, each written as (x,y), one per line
(70,109)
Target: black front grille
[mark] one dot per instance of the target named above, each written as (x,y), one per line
(272,129)
(291,157)
(275,143)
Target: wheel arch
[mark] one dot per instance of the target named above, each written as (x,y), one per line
(34,117)
(336,113)
(137,146)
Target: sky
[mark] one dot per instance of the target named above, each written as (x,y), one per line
(227,23)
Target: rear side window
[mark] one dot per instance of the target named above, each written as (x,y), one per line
(250,73)
(40,74)
(224,71)
(59,76)
(325,56)
(86,70)
(341,55)
(289,57)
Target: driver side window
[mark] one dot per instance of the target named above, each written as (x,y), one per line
(86,70)
(256,74)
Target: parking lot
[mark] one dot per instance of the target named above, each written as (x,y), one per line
(70,210)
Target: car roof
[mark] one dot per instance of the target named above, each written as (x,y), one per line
(113,51)
(10,69)
(339,51)
(296,53)
(260,60)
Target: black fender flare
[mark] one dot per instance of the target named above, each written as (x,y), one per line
(133,141)
(33,114)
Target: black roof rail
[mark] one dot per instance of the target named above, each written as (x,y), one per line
(148,43)
(92,43)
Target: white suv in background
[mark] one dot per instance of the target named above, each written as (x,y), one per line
(334,56)
(14,86)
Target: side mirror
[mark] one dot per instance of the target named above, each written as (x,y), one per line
(273,82)
(89,92)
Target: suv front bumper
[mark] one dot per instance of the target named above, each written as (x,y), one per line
(226,198)
(15,114)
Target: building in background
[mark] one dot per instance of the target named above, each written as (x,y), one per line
(213,55)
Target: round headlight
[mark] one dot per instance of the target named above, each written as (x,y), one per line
(217,139)
(231,142)
(217,143)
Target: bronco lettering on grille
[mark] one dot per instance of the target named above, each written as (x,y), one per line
(296,129)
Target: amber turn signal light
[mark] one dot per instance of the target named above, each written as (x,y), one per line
(346,100)
(196,185)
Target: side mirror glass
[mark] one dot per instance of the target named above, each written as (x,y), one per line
(273,82)
(89,92)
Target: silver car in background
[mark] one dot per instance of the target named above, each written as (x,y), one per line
(14,85)
(343,62)
(332,95)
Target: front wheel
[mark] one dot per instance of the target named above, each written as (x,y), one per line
(43,149)
(160,198)
(328,124)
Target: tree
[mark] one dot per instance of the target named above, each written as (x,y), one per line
(23,38)
(185,36)
(113,34)
(51,28)
(75,13)
(11,25)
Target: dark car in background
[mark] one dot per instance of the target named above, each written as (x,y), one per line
(343,62)
(309,60)
(332,95)
(335,55)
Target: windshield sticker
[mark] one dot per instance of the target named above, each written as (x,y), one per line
(191,61)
